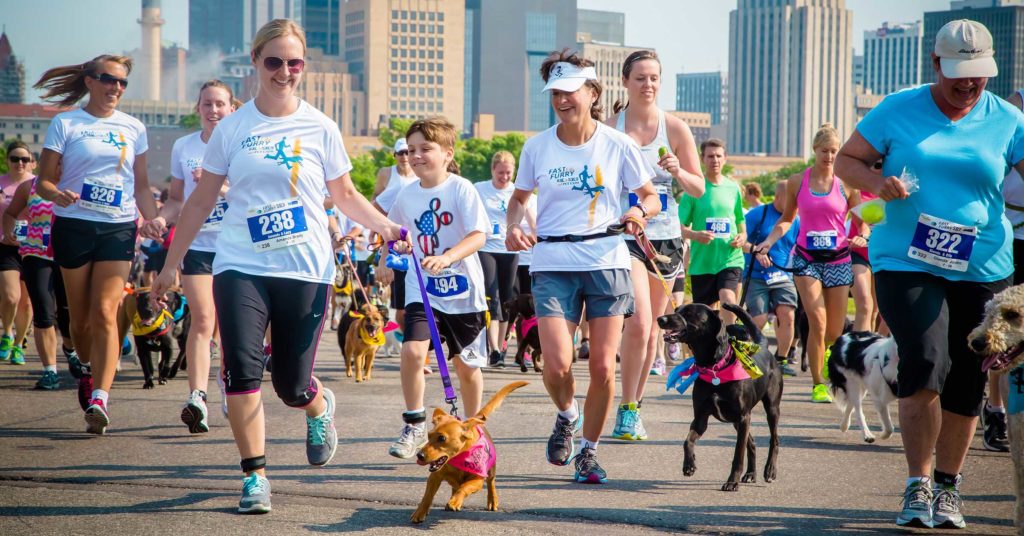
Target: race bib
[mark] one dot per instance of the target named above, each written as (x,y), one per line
(277,225)
(942,243)
(449,284)
(719,227)
(216,217)
(46,236)
(663,197)
(21,231)
(102,195)
(822,240)
(775,276)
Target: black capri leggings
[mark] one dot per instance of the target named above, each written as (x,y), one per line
(46,292)
(295,311)
(501,280)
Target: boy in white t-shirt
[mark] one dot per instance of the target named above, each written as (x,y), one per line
(447,225)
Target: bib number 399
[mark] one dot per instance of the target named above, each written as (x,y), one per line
(277,225)
(942,243)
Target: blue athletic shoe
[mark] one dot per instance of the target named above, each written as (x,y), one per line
(255,495)
(588,471)
(321,436)
(6,344)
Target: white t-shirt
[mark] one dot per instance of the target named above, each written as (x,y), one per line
(496,204)
(186,157)
(438,218)
(278,167)
(526,257)
(386,199)
(578,194)
(98,158)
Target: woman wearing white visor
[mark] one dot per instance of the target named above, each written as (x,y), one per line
(578,168)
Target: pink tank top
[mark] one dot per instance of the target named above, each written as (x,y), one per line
(822,218)
(8,186)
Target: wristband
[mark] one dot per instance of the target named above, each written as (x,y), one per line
(642,208)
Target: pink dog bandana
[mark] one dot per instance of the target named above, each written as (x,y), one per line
(479,459)
(525,325)
(716,376)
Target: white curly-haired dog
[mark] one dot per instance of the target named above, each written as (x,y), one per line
(1000,340)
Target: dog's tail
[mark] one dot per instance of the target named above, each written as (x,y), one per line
(748,322)
(495,401)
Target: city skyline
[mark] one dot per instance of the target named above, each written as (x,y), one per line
(649,23)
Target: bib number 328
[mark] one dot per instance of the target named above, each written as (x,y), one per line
(942,243)
(277,225)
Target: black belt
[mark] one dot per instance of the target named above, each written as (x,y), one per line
(613,230)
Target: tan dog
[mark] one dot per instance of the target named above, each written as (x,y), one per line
(461,454)
(1000,340)
(364,337)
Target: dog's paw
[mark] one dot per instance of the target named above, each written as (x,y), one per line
(769,474)
(869,439)
(749,478)
(419,516)
(454,505)
(348,374)
(731,486)
(162,381)
(359,380)
(147,385)
(689,468)
(492,505)
(885,434)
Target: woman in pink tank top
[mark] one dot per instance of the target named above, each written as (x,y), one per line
(13,305)
(821,259)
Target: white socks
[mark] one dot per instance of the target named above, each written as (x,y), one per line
(572,413)
(102,395)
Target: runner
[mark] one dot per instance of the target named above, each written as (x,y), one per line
(215,102)
(274,262)
(771,290)
(578,168)
(865,305)
(937,263)
(20,162)
(714,223)
(822,252)
(752,196)
(93,168)
(667,144)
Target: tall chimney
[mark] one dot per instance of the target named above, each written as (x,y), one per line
(151,53)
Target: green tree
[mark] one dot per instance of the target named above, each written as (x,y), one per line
(4,164)
(767,180)
(190,122)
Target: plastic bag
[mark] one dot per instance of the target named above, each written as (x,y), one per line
(872,212)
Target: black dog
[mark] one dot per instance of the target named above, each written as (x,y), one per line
(702,329)
(521,314)
(156,327)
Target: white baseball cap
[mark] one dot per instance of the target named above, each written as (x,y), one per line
(401,145)
(565,76)
(964,48)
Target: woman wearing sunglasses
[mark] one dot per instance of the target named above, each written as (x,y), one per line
(20,165)
(93,168)
(274,263)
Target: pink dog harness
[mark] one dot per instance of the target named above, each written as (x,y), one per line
(741,368)
(525,325)
(479,459)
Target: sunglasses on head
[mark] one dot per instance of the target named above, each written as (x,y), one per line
(109,79)
(22,159)
(295,65)
(402,153)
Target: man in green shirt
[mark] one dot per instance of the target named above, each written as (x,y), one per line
(715,225)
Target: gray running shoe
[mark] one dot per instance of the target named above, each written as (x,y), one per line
(194,413)
(321,436)
(946,506)
(413,438)
(917,505)
(561,448)
(255,495)
(48,381)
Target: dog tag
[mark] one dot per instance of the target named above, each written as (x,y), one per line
(715,381)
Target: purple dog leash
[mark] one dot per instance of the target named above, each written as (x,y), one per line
(435,336)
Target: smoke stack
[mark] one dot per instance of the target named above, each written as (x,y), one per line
(151,51)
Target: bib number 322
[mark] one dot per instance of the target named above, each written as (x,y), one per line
(942,243)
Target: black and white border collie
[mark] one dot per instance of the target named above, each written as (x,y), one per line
(863,362)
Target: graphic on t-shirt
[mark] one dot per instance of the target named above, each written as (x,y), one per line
(282,157)
(429,224)
(584,185)
(114,141)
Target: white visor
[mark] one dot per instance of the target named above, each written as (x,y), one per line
(567,77)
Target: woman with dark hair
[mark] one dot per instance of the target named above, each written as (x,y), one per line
(667,144)
(93,168)
(578,168)
(20,166)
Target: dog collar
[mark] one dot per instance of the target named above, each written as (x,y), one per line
(478,459)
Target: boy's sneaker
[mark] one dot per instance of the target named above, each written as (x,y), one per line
(820,394)
(75,366)
(413,438)
(588,471)
(17,356)
(194,413)
(6,343)
(96,418)
(496,360)
(321,436)
(255,495)
(561,448)
(84,390)
(946,505)
(917,505)
(49,381)
(995,438)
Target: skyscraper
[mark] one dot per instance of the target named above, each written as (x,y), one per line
(1004,18)
(510,42)
(322,22)
(790,69)
(407,56)
(12,74)
(892,57)
(229,25)
(608,59)
(603,26)
(703,92)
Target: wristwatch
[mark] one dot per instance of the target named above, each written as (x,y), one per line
(642,208)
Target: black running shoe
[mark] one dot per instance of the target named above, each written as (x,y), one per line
(995,438)
(496,359)
(588,471)
(560,445)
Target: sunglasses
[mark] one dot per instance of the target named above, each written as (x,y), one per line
(109,79)
(877,165)
(402,153)
(23,159)
(295,65)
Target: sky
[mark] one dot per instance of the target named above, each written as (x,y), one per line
(689,35)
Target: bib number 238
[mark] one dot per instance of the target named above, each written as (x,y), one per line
(277,225)
(942,243)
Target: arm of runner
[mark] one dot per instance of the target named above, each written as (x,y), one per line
(788,215)
(155,226)
(18,203)
(358,209)
(853,164)
(466,247)
(863,231)
(383,175)
(171,210)
(682,162)
(741,223)
(515,238)
(648,197)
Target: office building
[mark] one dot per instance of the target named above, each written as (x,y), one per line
(12,74)
(608,60)
(603,26)
(790,70)
(892,57)
(703,92)
(229,25)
